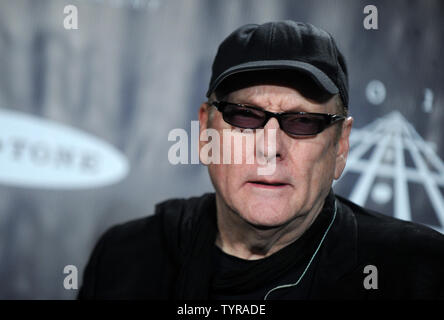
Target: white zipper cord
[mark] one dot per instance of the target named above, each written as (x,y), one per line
(309,263)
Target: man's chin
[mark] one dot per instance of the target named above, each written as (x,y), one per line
(265,224)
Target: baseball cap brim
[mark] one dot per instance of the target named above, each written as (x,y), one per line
(321,79)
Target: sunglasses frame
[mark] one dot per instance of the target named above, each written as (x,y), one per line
(329,118)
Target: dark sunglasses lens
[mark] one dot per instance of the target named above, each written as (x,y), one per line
(243,117)
(308,124)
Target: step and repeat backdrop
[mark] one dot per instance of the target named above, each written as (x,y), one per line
(91,89)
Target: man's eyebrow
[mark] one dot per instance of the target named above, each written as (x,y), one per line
(297,108)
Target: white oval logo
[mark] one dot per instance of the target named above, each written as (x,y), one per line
(39,153)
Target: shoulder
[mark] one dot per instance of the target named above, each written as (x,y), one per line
(409,257)
(123,257)
(144,250)
(167,226)
(384,233)
(131,234)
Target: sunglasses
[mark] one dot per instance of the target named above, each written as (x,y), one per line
(293,123)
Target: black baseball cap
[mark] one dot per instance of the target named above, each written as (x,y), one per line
(286,46)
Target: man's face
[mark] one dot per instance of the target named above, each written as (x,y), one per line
(305,166)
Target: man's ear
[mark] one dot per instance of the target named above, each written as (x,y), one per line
(343,147)
(203,126)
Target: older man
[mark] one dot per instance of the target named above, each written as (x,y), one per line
(279,235)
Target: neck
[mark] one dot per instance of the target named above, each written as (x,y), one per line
(241,239)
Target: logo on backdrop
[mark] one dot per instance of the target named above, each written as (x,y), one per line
(35,152)
(389,157)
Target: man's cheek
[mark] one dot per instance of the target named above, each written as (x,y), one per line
(221,176)
(238,146)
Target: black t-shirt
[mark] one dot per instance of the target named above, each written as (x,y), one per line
(236,278)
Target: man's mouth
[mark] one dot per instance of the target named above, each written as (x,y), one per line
(268,184)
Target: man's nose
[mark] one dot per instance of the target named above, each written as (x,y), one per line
(269,140)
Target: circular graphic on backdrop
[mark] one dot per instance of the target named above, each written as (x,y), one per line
(375,92)
(381,193)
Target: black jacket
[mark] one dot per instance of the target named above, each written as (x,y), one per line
(168,256)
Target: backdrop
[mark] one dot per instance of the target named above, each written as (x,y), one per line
(85,115)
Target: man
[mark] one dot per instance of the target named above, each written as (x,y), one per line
(279,235)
